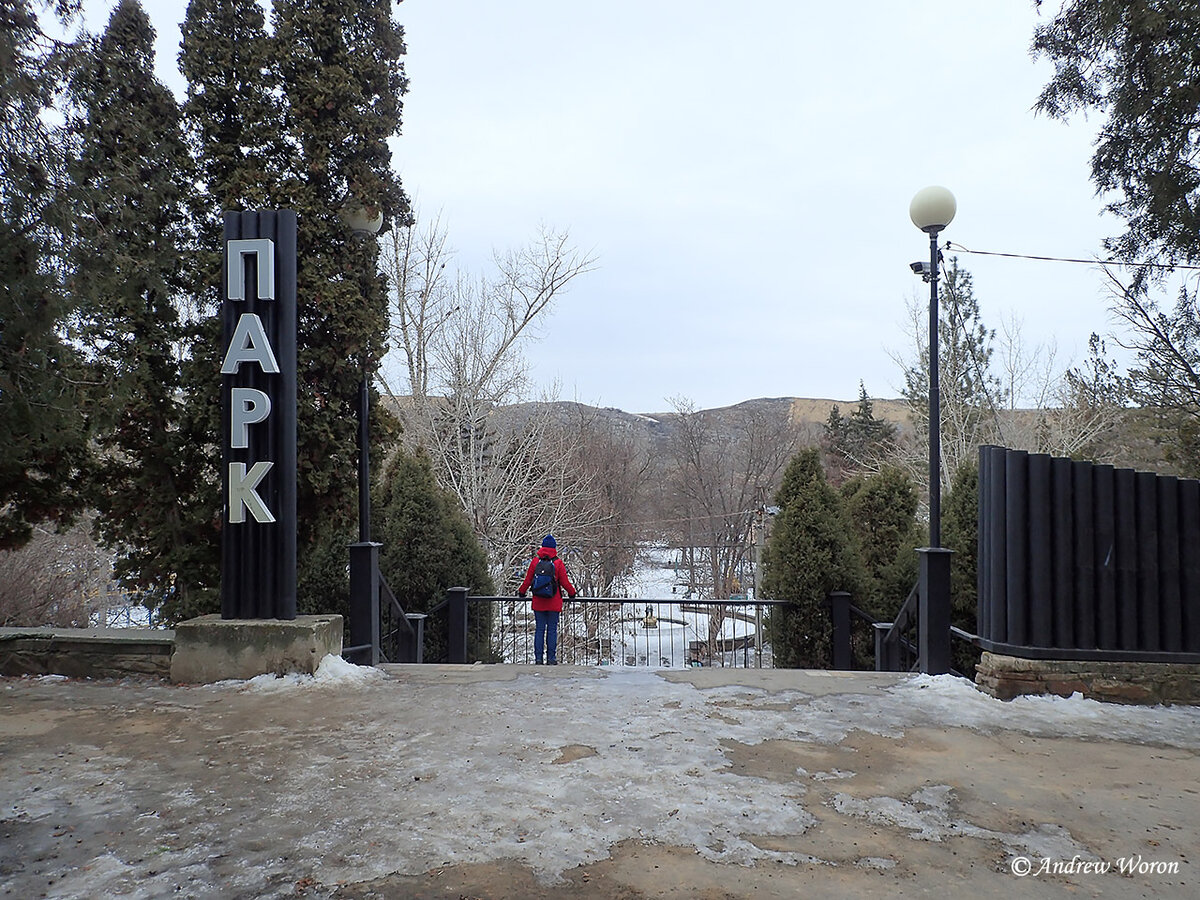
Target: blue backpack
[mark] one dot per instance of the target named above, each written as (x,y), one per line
(545,578)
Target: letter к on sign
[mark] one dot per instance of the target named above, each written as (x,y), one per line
(258,416)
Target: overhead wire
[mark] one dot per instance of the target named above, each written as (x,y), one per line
(952,245)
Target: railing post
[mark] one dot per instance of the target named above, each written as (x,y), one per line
(839,611)
(933,611)
(414,647)
(364,596)
(456,615)
(886,655)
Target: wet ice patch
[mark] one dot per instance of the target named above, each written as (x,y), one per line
(929,815)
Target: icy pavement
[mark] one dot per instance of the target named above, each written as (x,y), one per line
(279,786)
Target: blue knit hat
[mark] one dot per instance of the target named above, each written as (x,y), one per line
(548,541)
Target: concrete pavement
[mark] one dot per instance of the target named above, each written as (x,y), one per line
(509,781)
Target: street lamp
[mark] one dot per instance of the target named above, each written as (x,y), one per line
(364,222)
(931,210)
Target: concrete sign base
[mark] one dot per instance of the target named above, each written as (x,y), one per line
(210,648)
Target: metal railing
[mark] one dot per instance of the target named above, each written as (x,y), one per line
(380,630)
(896,643)
(604,631)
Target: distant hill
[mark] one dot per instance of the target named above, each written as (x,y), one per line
(656,428)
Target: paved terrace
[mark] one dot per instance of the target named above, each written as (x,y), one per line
(516,782)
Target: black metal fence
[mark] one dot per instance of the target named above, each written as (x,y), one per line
(860,641)
(1085,561)
(625,632)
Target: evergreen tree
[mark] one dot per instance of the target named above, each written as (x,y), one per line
(44,456)
(970,393)
(234,114)
(810,552)
(131,180)
(1137,62)
(960,533)
(233,122)
(856,443)
(428,545)
(342,78)
(882,511)
(300,119)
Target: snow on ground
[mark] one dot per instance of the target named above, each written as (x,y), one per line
(520,804)
(370,775)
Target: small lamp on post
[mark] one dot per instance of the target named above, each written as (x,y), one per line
(931,210)
(364,222)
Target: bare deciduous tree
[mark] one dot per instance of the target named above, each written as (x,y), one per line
(515,473)
(58,578)
(723,465)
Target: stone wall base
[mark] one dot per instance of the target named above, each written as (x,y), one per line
(86,652)
(1006,677)
(211,649)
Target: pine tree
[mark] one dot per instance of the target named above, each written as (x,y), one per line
(44,455)
(131,179)
(855,444)
(233,123)
(810,552)
(1136,62)
(970,393)
(233,114)
(300,119)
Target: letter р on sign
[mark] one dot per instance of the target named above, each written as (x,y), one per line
(258,416)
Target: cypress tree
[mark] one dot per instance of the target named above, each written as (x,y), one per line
(131,179)
(960,533)
(44,455)
(810,552)
(300,119)
(882,511)
(342,76)
(428,545)
(233,121)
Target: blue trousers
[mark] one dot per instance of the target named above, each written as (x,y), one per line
(545,634)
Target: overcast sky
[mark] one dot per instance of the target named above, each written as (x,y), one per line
(742,173)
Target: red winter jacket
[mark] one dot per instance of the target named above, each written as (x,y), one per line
(555,603)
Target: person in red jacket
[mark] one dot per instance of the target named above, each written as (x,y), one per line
(547,577)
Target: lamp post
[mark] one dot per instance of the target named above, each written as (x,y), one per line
(931,210)
(365,223)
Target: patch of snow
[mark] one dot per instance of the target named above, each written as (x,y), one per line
(947,698)
(332,672)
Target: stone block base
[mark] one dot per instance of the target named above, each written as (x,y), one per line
(1006,677)
(211,649)
(86,652)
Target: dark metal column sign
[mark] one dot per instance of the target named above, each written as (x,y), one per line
(258,416)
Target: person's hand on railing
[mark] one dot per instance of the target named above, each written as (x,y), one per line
(521,595)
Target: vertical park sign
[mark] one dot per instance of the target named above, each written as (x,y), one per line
(258,416)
